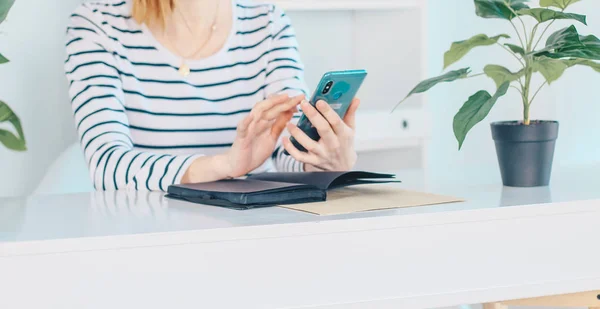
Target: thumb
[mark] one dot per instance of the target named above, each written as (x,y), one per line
(280,124)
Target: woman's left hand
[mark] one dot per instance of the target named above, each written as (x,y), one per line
(335,150)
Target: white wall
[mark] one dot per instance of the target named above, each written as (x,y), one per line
(33,84)
(574,100)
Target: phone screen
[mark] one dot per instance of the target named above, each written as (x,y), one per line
(338,89)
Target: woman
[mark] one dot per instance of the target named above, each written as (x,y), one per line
(184,91)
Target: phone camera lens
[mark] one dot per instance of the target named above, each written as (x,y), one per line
(327,87)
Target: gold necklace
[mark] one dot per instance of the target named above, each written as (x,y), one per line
(184,68)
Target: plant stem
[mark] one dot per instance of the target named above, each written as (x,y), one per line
(532,38)
(517,88)
(529,71)
(519,35)
(524,30)
(538,91)
(474,75)
(542,35)
(510,52)
(526,88)
(520,19)
(534,31)
(544,32)
(527,47)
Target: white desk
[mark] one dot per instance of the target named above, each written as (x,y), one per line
(128,250)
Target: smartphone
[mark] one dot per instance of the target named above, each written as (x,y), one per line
(338,89)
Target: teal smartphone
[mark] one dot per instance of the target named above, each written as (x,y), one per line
(338,89)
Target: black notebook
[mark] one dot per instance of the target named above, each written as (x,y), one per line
(271,189)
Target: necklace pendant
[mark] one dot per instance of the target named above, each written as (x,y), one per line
(184,70)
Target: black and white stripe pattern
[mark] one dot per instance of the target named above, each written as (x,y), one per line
(140,123)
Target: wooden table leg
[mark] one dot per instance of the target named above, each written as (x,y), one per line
(494,306)
(589,300)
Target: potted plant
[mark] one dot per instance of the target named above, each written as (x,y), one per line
(8,138)
(525,148)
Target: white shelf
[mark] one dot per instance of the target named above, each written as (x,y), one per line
(314,5)
(381,130)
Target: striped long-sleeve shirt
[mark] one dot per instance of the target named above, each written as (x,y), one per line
(140,123)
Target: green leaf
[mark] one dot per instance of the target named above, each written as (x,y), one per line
(12,142)
(564,38)
(499,8)
(516,49)
(543,15)
(461,48)
(552,69)
(7,138)
(573,62)
(567,43)
(474,111)
(561,4)
(2,58)
(590,50)
(5,6)
(430,83)
(561,39)
(501,75)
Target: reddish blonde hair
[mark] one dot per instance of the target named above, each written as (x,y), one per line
(152,12)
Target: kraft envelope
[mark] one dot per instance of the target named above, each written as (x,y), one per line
(370,197)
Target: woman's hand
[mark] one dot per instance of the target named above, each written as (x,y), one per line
(257,136)
(258,133)
(335,150)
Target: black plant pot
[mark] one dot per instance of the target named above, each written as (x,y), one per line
(525,153)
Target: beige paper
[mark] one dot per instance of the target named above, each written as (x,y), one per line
(371,197)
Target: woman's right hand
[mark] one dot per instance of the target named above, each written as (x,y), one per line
(258,133)
(256,138)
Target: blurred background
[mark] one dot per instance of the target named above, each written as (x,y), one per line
(399,42)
